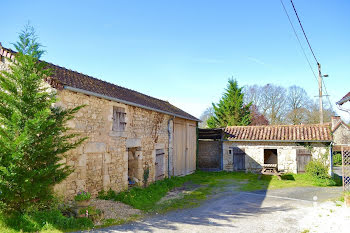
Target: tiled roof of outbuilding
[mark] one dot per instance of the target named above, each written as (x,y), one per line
(298,133)
(87,83)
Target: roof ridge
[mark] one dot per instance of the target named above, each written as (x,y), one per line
(80,81)
(70,70)
(324,124)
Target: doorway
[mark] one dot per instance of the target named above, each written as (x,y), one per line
(270,156)
(135,170)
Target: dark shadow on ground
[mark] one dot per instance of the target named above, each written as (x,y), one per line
(287,177)
(217,211)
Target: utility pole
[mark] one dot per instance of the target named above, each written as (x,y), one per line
(320,92)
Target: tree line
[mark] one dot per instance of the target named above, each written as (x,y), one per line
(263,105)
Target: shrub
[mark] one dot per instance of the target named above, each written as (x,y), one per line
(82,196)
(337,159)
(33,132)
(317,169)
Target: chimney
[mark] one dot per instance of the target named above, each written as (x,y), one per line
(335,121)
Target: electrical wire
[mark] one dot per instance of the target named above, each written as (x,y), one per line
(325,90)
(303,31)
(301,46)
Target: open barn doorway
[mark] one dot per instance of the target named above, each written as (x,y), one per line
(135,170)
(270,156)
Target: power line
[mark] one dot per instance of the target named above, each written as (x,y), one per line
(307,40)
(301,46)
(304,31)
(325,90)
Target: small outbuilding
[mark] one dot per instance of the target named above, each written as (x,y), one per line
(289,147)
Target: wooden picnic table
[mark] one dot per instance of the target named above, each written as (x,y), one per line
(271,169)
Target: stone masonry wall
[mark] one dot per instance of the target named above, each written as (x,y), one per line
(254,158)
(341,136)
(101,162)
(209,154)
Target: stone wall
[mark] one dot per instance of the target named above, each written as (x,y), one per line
(341,136)
(254,159)
(209,154)
(101,162)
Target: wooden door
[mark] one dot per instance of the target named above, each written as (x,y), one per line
(179,149)
(191,148)
(159,164)
(238,159)
(303,158)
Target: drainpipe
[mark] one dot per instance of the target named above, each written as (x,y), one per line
(331,159)
(170,155)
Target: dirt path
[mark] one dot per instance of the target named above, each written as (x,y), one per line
(273,211)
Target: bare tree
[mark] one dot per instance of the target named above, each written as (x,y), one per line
(270,101)
(313,114)
(205,116)
(298,103)
(256,117)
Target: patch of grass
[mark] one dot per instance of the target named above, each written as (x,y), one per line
(113,222)
(147,199)
(144,198)
(43,221)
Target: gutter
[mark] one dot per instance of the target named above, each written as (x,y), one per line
(340,102)
(342,108)
(125,102)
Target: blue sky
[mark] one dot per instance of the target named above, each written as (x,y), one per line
(185,51)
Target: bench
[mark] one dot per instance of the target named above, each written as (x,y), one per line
(271,169)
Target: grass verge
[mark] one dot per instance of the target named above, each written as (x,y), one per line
(42,221)
(147,199)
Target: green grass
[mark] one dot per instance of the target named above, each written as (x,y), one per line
(147,199)
(43,221)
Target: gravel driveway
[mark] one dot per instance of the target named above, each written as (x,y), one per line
(272,211)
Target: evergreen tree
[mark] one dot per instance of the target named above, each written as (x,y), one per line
(33,132)
(231,109)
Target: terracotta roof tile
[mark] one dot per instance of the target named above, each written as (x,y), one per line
(312,132)
(77,80)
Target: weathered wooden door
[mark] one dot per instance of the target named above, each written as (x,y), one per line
(185,144)
(179,149)
(303,158)
(238,159)
(191,148)
(159,164)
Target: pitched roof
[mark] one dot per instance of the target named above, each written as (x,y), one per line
(76,81)
(297,133)
(344,99)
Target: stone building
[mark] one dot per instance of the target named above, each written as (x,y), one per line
(128,133)
(290,147)
(341,133)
